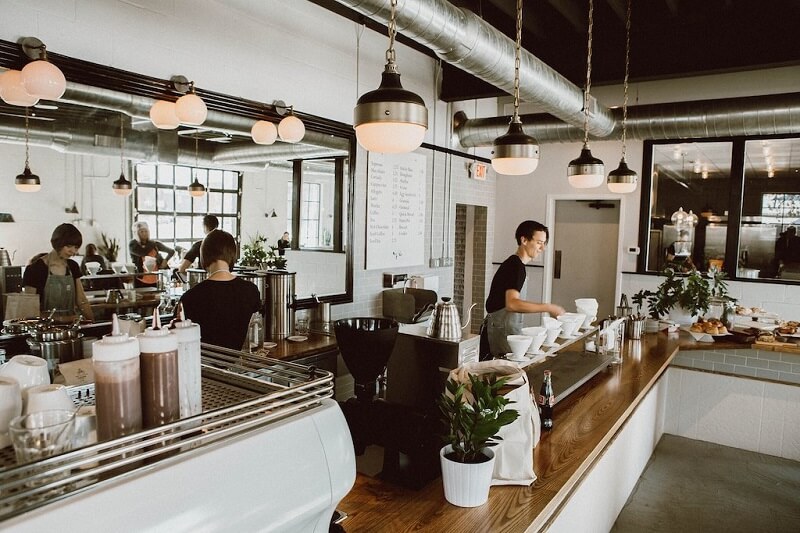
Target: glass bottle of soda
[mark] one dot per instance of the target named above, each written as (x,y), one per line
(546,401)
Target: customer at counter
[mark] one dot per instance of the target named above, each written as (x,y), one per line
(142,246)
(210,223)
(56,278)
(504,307)
(91,256)
(222,304)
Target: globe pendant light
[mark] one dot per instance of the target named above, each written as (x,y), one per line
(622,179)
(13,91)
(121,186)
(196,188)
(390,119)
(515,153)
(27,181)
(162,115)
(586,171)
(190,108)
(291,129)
(41,78)
(264,132)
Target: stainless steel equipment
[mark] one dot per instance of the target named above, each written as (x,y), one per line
(10,281)
(445,323)
(5,258)
(196,275)
(55,344)
(319,316)
(262,419)
(259,279)
(280,303)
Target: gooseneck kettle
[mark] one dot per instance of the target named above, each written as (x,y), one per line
(445,323)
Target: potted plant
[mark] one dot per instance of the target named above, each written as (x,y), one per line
(108,248)
(684,297)
(473,414)
(257,254)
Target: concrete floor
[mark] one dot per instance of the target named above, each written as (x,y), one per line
(690,485)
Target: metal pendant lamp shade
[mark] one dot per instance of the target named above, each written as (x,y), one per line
(586,171)
(196,189)
(27,181)
(121,186)
(390,119)
(515,153)
(622,180)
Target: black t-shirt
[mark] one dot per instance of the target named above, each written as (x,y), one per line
(510,275)
(223,310)
(35,275)
(193,253)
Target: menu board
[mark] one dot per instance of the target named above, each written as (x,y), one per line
(396,191)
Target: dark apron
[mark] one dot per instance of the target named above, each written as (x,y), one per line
(496,327)
(59,293)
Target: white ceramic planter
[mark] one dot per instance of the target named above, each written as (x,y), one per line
(682,316)
(466,485)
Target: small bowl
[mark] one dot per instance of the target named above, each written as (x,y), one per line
(518,344)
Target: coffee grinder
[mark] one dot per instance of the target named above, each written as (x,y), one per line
(409,435)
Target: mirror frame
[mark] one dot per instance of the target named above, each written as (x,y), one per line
(101,76)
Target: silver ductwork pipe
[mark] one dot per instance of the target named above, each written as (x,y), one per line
(728,117)
(254,152)
(464,40)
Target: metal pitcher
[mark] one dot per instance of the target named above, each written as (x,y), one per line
(445,323)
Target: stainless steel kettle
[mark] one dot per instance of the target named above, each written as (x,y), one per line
(5,259)
(445,323)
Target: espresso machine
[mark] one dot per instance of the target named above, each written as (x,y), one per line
(409,435)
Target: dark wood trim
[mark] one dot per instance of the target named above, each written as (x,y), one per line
(646,196)
(735,207)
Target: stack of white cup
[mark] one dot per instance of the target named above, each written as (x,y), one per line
(589,307)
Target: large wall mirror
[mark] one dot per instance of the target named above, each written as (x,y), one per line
(79,144)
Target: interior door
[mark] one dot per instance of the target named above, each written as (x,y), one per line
(585,242)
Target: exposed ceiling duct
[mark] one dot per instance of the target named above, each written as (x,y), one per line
(253,152)
(727,117)
(464,40)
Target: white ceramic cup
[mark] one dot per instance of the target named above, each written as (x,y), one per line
(538,334)
(552,333)
(518,344)
(10,406)
(47,398)
(568,327)
(28,370)
(118,268)
(93,268)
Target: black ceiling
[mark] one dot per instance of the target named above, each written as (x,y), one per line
(669,38)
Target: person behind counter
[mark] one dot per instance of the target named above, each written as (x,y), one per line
(504,307)
(56,278)
(91,256)
(283,243)
(142,246)
(222,304)
(210,223)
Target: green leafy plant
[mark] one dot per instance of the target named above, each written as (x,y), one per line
(257,254)
(473,414)
(693,292)
(108,247)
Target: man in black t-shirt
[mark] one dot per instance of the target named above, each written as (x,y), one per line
(210,223)
(504,307)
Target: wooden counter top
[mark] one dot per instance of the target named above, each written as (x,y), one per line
(290,351)
(585,422)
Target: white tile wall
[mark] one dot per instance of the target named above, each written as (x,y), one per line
(744,413)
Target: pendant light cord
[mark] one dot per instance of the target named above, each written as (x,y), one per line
(27,138)
(517,61)
(121,145)
(392,27)
(588,77)
(625,81)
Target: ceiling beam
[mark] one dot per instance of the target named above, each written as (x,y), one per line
(572,13)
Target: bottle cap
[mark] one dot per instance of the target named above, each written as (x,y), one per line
(156,339)
(184,328)
(116,346)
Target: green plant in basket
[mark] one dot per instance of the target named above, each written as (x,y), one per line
(473,415)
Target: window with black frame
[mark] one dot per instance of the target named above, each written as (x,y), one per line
(174,216)
(731,204)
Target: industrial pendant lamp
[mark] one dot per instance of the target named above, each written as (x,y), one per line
(189,108)
(390,119)
(12,90)
(622,179)
(196,189)
(41,78)
(122,187)
(586,171)
(515,153)
(27,181)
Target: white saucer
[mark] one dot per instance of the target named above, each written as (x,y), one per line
(270,345)
(297,338)
(536,352)
(509,357)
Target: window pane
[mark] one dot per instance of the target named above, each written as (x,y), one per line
(183,177)
(689,177)
(196,227)
(229,202)
(214,202)
(166,229)
(165,199)
(145,173)
(183,201)
(768,248)
(183,227)
(200,204)
(146,198)
(165,174)
(230,180)
(151,222)
(214,179)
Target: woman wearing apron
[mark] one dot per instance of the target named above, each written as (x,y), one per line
(504,307)
(57,279)
(142,247)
